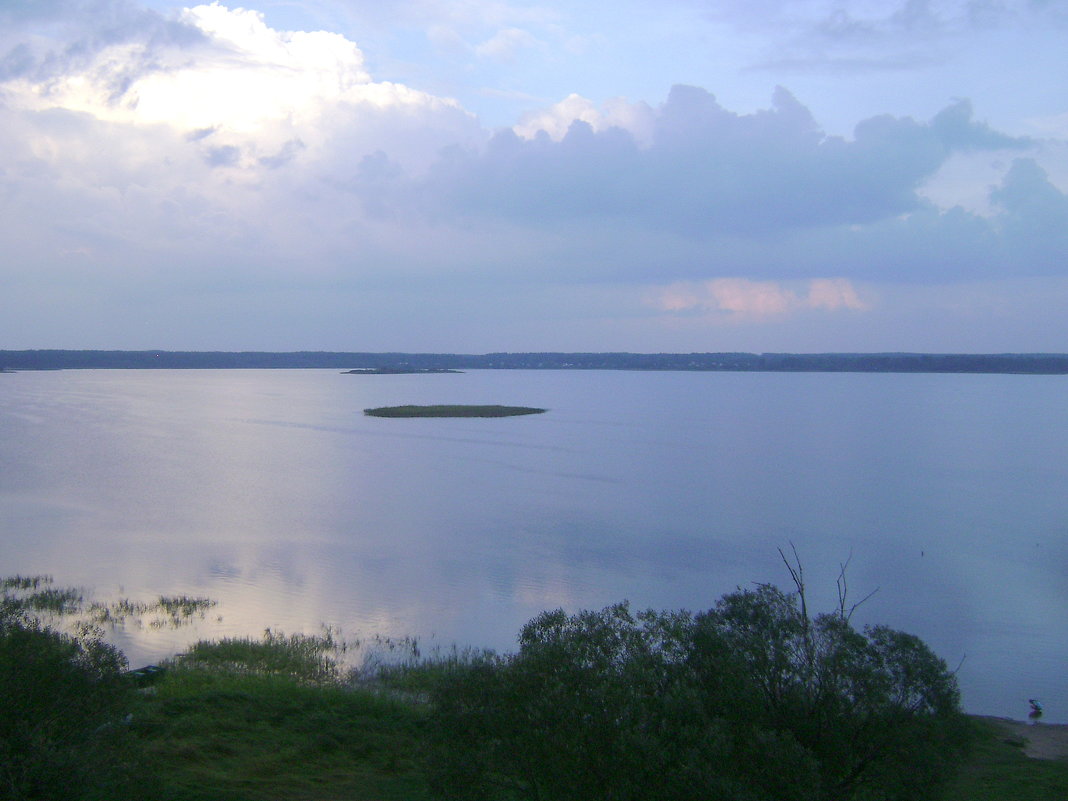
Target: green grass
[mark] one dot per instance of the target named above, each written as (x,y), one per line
(264,737)
(306,659)
(998,770)
(451,411)
(271,720)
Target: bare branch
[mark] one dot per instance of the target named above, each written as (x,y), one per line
(843,587)
(843,591)
(797,573)
(853,608)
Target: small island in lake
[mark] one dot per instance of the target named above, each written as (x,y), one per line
(398,370)
(451,411)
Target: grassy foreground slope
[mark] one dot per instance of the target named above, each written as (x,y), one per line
(280,717)
(263,738)
(212,733)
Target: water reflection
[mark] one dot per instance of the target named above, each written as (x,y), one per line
(272,493)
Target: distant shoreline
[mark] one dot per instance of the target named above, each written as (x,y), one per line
(400,363)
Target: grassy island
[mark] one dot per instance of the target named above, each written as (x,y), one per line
(451,410)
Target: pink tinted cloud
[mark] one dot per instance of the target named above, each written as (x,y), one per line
(832,294)
(741,297)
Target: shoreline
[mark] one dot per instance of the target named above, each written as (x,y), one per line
(1040,740)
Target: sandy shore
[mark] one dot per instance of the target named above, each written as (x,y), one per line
(1044,740)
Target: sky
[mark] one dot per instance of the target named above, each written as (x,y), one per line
(476,176)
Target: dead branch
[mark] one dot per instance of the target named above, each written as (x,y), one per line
(797,573)
(843,591)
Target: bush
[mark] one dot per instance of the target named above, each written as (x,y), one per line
(63,732)
(63,721)
(750,700)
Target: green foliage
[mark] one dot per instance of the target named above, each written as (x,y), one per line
(63,732)
(877,711)
(63,723)
(417,675)
(750,700)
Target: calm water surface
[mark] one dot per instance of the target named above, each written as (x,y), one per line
(271,492)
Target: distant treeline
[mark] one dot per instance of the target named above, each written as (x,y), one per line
(1032,363)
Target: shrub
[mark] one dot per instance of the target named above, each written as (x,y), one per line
(63,732)
(750,700)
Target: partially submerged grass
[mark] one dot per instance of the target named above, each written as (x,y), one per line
(37,598)
(303,658)
(17,582)
(57,601)
(165,611)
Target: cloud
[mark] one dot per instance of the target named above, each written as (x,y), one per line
(47,40)
(1034,225)
(833,294)
(210,161)
(505,44)
(229,79)
(635,118)
(706,171)
(744,298)
(172,161)
(856,35)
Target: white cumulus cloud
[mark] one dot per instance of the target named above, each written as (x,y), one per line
(638,119)
(234,78)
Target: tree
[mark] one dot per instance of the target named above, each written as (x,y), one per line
(877,710)
(751,700)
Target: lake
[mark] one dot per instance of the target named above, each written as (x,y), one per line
(271,492)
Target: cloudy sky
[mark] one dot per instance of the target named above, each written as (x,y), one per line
(524,175)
